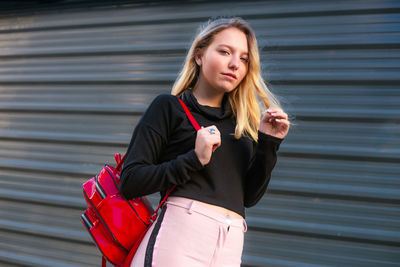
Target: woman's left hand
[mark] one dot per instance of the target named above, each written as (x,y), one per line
(275,122)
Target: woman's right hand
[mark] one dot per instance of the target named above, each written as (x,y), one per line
(207,143)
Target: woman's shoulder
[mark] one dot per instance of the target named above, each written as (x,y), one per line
(165,97)
(163,113)
(163,106)
(163,100)
(166,102)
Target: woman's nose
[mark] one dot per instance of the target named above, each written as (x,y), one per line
(234,63)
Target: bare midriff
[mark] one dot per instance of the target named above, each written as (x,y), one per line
(222,210)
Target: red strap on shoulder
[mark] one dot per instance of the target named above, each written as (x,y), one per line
(190,116)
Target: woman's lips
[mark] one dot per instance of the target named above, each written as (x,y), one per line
(230,75)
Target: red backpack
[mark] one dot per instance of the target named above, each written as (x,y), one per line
(117,225)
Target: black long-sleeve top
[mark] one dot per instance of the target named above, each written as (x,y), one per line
(161,154)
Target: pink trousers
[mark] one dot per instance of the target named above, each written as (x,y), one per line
(189,233)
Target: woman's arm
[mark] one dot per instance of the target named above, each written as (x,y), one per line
(261,165)
(142,174)
(274,126)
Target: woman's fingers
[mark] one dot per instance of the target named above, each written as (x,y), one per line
(275,122)
(274,114)
(213,130)
(213,136)
(278,113)
(208,139)
(283,122)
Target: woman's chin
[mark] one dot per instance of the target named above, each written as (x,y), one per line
(230,89)
(223,87)
(226,88)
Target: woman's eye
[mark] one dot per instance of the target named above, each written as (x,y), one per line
(245,59)
(224,52)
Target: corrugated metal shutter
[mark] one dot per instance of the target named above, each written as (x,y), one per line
(74,80)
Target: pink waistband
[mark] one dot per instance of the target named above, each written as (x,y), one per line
(195,206)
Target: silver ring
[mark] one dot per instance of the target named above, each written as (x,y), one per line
(211,131)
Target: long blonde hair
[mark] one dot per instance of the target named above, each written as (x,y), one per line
(243,99)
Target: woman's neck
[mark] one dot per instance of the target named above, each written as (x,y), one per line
(208,97)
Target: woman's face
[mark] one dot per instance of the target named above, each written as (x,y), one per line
(224,63)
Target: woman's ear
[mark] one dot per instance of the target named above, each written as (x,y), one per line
(197,56)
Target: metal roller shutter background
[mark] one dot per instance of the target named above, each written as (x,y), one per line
(76,76)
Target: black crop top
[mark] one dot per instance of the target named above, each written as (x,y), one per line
(161,154)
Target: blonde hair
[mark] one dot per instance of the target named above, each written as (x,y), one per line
(243,99)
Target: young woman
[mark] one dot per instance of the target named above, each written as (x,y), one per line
(218,170)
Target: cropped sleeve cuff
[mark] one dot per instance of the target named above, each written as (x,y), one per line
(194,160)
(265,138)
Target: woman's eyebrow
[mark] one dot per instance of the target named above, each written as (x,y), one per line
(232,48)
